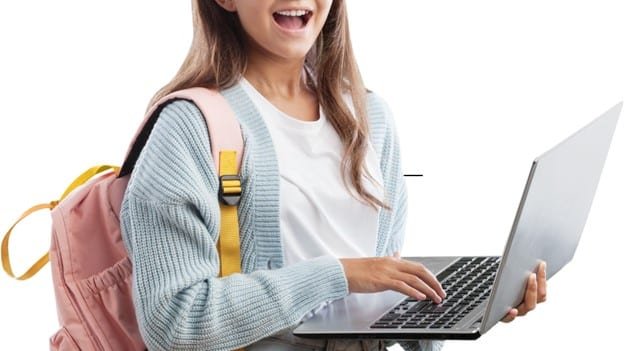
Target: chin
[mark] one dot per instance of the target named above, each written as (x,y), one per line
(293,52)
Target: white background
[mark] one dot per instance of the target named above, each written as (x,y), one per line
(478,88)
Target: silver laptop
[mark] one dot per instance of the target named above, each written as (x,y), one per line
(481,290)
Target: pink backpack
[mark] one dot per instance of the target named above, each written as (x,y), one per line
(90,265)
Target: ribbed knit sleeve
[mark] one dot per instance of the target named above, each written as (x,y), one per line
(170,219)
(395,182)
(385,136)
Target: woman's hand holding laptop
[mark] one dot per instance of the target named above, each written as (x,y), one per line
(534,293)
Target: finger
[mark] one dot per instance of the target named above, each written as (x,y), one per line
(541,282)
(511,315)
(406,289)
(424,274)
(530,296)
(419,285)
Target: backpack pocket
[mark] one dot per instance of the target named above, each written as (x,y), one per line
(108,300)
(63,341)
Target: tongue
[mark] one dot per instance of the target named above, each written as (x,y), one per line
(289,22)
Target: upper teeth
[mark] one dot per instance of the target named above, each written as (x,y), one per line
(293,12)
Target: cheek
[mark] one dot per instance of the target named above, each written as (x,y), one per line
(253,17)
(323,11)
(251,24)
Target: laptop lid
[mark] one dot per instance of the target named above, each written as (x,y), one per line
(553,211)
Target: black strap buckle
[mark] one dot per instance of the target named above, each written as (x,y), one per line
(230,189)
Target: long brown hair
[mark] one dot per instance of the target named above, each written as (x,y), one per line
(217,60)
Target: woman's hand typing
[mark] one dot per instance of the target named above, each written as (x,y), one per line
(375,274)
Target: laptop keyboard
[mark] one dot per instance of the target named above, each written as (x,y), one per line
(467,283)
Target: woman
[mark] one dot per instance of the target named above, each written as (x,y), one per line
(323,206)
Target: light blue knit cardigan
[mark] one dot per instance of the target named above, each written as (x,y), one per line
(170,224)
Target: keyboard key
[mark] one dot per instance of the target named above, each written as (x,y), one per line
(417,307)
(438,309)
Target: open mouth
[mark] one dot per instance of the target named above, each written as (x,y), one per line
(292,19)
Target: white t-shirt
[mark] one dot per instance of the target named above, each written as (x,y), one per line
(318,215)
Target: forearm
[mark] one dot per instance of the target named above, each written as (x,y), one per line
(227,313)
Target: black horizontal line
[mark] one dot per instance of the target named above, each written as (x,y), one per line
(412,175)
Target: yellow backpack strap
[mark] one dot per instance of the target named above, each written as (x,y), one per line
(229,195)
(86,175)
(6,262)
(41,262)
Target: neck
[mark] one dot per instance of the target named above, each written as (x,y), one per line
(275,77)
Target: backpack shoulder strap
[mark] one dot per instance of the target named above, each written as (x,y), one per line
(223,127)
